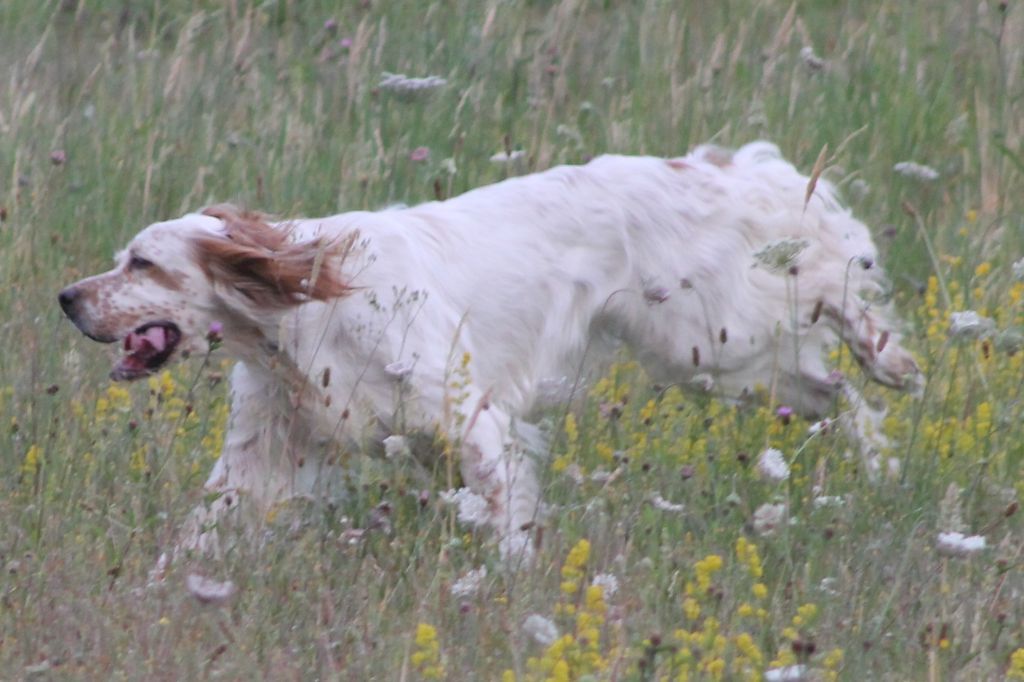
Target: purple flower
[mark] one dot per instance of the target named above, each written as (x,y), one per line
(58,157)
(345,43)
(784,413)
(331,25)
(419,154)
(214,334)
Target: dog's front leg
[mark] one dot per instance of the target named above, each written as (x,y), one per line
(496,467)
(256,469)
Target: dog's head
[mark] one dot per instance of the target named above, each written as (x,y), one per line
(177,280)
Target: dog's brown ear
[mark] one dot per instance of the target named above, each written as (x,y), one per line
(263,264)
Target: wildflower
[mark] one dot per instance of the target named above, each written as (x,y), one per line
(703,382)
(819,427)
(541,629)
(661,503)
(784,413)
(1016,669)
(967,324)
(472,507)
(331,25)
(957,544)
(504,158)
(768,517)
(58,157)
(789,673)
(399,370)
(345,43)
(33,458)
(395,446)
(824,501)
(419,154)
(608,583)
(427,656)
(215,333)
(706,568)
(1018,270)
(859,189)
(402,85)
(209,591)
(469,584)
(811,60)
(916,171)
(780,256)
(772,466)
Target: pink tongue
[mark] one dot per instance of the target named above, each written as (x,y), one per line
(154,337)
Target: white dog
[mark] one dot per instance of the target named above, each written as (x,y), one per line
(446,318)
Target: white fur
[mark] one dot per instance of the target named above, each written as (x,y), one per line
(523,277)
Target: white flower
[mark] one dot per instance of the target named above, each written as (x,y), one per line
(828,586)
(472,507)
(209,591)
(819,426)
(772,465)
(916,171)
(781,255)
(469,584)
(789,673)
(399,369)
(661,503)
(541,629)
(768,517)
(958,544)
(703,382)
(508,157)
(823,501)
(608,583)
(1018,269)
(400,84)
(395,446)
(811,60)
(968,324)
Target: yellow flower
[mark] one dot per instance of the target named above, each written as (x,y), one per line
(760,590)
(1016,669)
(705,568)
(33,458)
(427,656)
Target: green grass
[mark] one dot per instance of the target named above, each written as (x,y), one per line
(163,107)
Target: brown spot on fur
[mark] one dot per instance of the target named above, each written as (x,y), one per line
(266,266)
(883,340)
(816,313)
(165,279)
(678,164)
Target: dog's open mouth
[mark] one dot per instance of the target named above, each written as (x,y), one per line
(147,349)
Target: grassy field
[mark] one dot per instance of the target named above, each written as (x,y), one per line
(656,561)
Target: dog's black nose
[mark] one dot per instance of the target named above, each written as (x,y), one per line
(67,299)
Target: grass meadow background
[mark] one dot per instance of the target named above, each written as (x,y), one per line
(113,115)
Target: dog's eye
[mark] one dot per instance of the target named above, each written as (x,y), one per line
(139,263)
